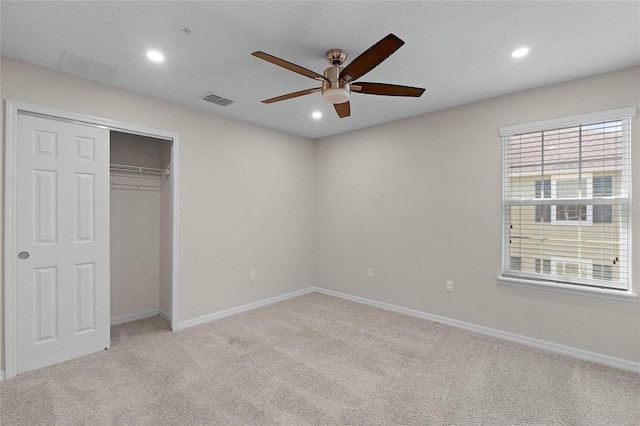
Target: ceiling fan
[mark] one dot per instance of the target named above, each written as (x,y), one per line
(338,82)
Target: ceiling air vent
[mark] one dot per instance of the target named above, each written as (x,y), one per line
(217,99)
(88,67)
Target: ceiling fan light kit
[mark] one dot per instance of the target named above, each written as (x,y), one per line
(336,81)
(335,90)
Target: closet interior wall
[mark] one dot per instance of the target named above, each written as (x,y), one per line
(140,226)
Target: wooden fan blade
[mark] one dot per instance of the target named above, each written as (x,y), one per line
(291,95)
(387,89)
(290,66)
(343,110)
(371,58)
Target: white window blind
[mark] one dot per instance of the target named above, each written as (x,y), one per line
(566,200)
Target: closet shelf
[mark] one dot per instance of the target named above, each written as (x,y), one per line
(137,178)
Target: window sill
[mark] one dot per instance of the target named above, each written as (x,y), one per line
(620,295)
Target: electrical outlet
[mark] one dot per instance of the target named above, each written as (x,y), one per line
(449,285)
(370,273)
(252,275)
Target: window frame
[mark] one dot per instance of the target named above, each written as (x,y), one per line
(568,286)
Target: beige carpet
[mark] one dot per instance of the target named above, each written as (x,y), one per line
(317,359)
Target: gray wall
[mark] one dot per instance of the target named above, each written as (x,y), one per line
(166,242)
(141,151)
(419,200)
(135,252)
(247,193)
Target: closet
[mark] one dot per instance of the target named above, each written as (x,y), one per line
(140,211)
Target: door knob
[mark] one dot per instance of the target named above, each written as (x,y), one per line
(23,255)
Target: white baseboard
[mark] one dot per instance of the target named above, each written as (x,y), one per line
(164,315)
(505,335)
(512,337)
(135,317)
(217,315)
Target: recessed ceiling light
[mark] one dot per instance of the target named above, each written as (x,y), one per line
(155,56)
(316,115)
(519,53)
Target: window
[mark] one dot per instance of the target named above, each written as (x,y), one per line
(515,263)
(543,190)
(599,186)
(543,266)
(571,268)
(602,272)
(602,187)
(571,186)
(566,201)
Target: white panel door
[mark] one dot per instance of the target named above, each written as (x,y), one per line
(62,241)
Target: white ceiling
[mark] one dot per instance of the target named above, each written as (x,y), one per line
(458,51)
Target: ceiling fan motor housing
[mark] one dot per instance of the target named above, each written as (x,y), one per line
(335,91)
